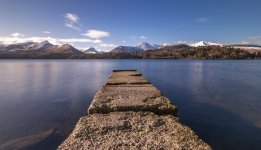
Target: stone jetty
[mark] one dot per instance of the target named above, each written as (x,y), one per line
(128,112)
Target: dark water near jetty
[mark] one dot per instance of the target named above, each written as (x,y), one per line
(219,100)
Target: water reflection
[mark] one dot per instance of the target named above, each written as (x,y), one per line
(37,96)
(220,100)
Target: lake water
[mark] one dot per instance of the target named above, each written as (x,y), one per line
(41,100)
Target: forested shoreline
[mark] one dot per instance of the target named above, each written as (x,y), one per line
(168,52)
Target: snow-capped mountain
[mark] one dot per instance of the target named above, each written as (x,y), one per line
(203,43)
(91,51)
(66,48)
(27,46)
(126,49)
(146,46)
(142,47)
(41,45)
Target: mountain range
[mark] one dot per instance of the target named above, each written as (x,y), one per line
(66,48)
(43,46)
(142,47)
(46,47)
(27,46)
(146,46)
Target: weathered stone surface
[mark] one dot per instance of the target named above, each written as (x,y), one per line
(130,113)
(126,77)
(131,98)
(132,130)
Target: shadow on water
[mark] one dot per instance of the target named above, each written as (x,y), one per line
(49,143)
(223,130)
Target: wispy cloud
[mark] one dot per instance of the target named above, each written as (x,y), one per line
(15,40)
(20,38)
(72,17)
(244,42)
(105,47)
(69,25)
(17,35)
(72,21)
(79,40)
(143,37)
(256,39)
(202,20)
(182,42)
(96,34)
(46,32)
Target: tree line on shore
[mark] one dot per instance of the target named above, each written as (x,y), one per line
(168,52)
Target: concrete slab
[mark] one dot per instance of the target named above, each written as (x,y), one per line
(131,98)
(129,91)
(130,113)
(119,77)
(132,130)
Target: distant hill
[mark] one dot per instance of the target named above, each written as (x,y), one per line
(27,46)
(126,49)
(142,47)
(247,47)
(143,51)
(146,46)
(92,51)
(2,47)
(39,47)
(38,50)
(66,48)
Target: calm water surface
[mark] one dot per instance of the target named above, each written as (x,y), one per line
(43,99)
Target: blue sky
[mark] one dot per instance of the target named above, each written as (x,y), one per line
(105,24)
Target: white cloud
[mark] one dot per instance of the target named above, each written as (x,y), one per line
(72,17)
(104,45)
(254,37)
(244,42)
(96,34)
(182,42)
(69,25)
(78,40)
(202,20)
(72,21)
(14,40)
(143,37)
(252,40)
(57,41)
(17,35)
(166,44)
(46,32)
(83,48)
